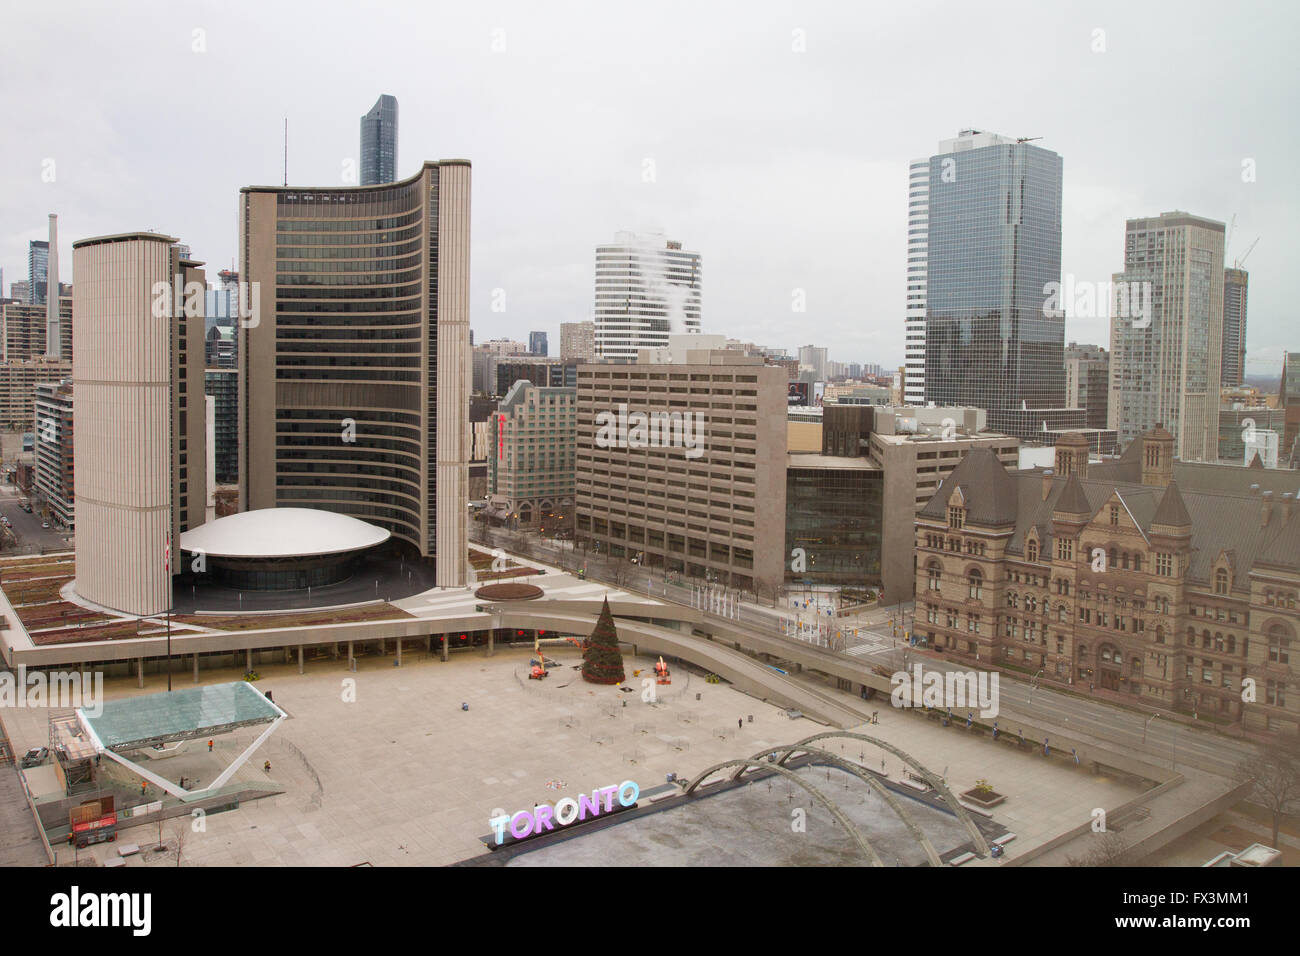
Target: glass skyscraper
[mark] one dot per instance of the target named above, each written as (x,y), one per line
(38,263)
(379,142)
(993,248)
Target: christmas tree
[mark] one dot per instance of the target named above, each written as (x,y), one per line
(602,661)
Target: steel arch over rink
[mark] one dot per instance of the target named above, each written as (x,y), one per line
(981,845)
(830,805)
(868,778)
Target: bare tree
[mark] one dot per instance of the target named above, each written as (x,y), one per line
(181,831)
(1108,850)
(1275,772)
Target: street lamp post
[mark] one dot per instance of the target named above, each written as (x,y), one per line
(1145,726)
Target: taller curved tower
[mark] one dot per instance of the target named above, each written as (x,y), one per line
(354,355)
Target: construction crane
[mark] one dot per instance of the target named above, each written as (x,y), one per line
(1227,241)
(1242,261)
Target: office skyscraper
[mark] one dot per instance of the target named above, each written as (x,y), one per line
(537,343)
(38,258)
(993,249)
(1233,361)
(918,219)
(647,288)
(140,455)
(1166,363)
(379,142)
(355,373)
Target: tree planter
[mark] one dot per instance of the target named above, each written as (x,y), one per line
(984,798)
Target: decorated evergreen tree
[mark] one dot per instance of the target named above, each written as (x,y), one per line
(602,661)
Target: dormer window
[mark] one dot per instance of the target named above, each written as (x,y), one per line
(1031,550)
(956,516)
(1221,581)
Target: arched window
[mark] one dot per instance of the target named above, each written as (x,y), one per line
(1060,613)
(976,582)
(1160,634)
(933,572)
(1205,640)
(1232,643)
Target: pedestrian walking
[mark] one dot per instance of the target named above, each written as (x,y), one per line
(740,724)
(209,746)
(144,786)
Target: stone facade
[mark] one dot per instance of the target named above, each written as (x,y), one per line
(1173,597)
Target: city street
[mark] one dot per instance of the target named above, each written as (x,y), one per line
(31,537)
(868,638)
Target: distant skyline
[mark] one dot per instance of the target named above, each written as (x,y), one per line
(775,140)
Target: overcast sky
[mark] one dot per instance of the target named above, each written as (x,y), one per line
(785,168)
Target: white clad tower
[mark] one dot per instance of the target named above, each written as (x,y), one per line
(918,225)
(647,288)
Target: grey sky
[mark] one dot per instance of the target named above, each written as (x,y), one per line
(786,170)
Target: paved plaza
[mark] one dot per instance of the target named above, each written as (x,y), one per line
(404,776)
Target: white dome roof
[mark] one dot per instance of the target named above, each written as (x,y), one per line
(282,533)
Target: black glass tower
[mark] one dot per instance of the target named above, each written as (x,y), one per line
(379,142)
(994,247)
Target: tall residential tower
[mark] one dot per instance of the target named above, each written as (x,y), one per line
(1165,360)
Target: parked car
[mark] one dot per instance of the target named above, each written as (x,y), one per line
(35,757)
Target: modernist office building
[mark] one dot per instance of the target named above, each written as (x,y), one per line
(379,142)
(537,343)
(141,449)
(710,504)
(545,373)
(23,330)
(578,341)
(1165,366)
(993,247)
(222,384)
(647,287)
(355,375)
(1087,382)
(53,444)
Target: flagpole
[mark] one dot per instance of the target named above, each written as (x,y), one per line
(167,567)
